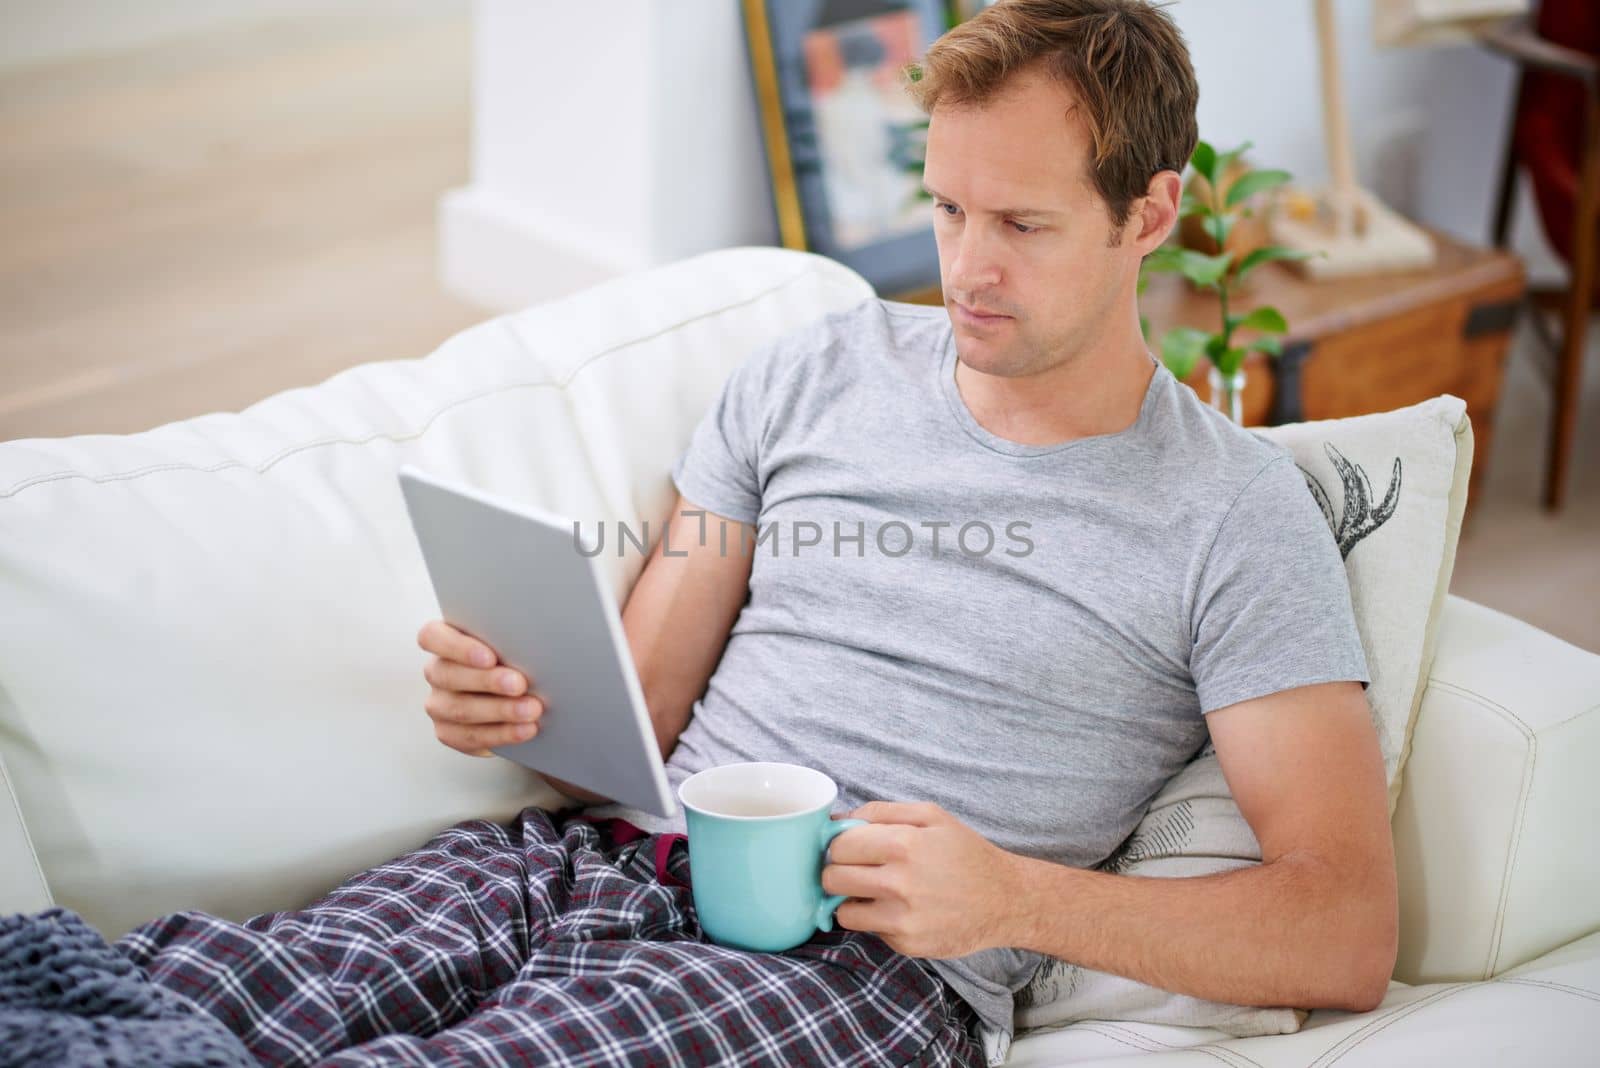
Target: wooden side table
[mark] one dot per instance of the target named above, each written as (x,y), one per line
(1368,344)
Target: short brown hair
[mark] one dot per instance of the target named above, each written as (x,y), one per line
(1124,59)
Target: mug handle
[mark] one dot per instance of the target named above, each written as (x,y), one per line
(828,905)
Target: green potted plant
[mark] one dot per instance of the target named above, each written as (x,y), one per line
(1224,200)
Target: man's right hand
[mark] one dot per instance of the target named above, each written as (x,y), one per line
(676,620)
(475,701)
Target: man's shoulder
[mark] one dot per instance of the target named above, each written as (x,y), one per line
(1218,459)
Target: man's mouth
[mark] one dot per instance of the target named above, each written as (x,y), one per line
(976,317)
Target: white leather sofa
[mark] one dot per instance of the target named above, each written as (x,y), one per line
(210,695)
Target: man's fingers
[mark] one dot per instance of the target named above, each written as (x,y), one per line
(916,813)
(475,703)
(878,843)
(445,674)
(475,740)
(441,639)
(856,880)
(471,709)
(865,916)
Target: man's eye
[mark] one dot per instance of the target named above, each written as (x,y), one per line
(1024,228)
(941,206)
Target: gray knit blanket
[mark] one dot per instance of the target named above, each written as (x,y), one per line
(68,998)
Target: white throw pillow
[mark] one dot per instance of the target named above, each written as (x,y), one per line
(1398,539)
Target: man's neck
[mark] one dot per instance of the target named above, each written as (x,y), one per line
(1079,398)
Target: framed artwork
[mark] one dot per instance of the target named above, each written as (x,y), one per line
(843,139)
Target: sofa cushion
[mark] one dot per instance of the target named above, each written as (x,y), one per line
(210,690)
(1495,839)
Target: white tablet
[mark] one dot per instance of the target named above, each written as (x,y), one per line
(514,577)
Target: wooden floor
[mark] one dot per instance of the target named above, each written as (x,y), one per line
(194,226)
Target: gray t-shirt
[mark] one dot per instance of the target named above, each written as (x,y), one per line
(1026,635)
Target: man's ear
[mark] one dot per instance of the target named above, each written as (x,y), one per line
(1158,213)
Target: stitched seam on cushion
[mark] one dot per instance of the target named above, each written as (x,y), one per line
(1222,1053)
(1493,706)
(1498,941)
(1143,1044)
(1522,813)
(401,435)
(1528,763)
(1350,1042)
(1575,716)
(10,797)
(685,322)
(1510,716)
(1563,987)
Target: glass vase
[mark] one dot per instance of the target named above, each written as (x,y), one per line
(1227,393)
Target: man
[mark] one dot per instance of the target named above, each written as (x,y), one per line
(1003,715)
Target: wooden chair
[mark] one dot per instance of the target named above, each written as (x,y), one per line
(1555,139)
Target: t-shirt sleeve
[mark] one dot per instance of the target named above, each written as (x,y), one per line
(720,470)
(1272,611)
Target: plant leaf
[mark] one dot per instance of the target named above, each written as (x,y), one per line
(1204,161)
(1230,360)
(1270,345)
(1219,227)
(1265,319)
(1248,185)
(1164,259)
(1215,345)
(1190,204)
(1224,159)
(1204,270)
(1181,349)
(1256,257)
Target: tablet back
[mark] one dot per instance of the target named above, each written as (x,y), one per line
(514,577)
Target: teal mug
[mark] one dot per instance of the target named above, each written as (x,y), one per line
(758,834)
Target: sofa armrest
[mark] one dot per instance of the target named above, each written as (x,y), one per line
(1494,832)
(1542,1013)
(22,885)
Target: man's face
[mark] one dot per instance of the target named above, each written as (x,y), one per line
(1022,233)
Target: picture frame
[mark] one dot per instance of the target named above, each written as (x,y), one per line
(842,138)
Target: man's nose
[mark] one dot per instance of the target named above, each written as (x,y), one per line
(976,266)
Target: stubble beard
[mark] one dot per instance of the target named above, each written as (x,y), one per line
(1021,357)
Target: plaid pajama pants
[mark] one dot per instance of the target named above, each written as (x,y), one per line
(549,941)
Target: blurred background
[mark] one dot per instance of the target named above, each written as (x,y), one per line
(203,204)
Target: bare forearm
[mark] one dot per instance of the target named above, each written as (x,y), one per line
(679,615)
(1291,932)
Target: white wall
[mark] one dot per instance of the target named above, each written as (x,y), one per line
(592,159)
(1428,124)
(606,138)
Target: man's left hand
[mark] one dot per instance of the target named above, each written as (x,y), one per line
(923,881)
